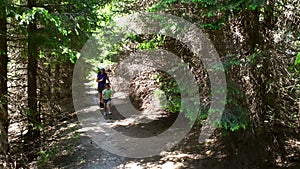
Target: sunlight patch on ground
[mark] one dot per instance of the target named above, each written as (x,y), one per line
(119,96)
(168,160)
(61,129)
(93,92)
(144,117)
(178,155)
(125,122)
(15,129)
(139,165)
(94,129)
(89,109)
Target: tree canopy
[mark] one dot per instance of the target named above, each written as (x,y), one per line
(257,40)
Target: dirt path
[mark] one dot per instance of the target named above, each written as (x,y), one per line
(94,136)
(82,151)
(126,120)
(86,152)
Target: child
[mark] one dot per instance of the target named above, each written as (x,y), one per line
(107,92)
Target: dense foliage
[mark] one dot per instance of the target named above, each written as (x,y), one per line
(258,42)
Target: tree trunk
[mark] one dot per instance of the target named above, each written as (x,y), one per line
(33,115)
(269,25)
(3,80)
(251,27)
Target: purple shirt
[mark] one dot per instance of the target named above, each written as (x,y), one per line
(101,76)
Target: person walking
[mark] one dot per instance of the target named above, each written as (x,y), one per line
(102,77)
(107,92)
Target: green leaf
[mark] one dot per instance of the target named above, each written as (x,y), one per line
(42,54)
(297,61)
(253,6)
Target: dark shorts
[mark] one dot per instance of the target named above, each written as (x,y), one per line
(100,89)
(105,101)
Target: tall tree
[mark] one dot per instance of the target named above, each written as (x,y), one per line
(3,79)
(33,114)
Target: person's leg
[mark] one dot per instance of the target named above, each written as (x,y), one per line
(101,97)
(105,107)
(109,107)
(99,94)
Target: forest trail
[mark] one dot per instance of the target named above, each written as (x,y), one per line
(83,151)
(42,44)
(131,123)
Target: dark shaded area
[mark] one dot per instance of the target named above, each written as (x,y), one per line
(143,130)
